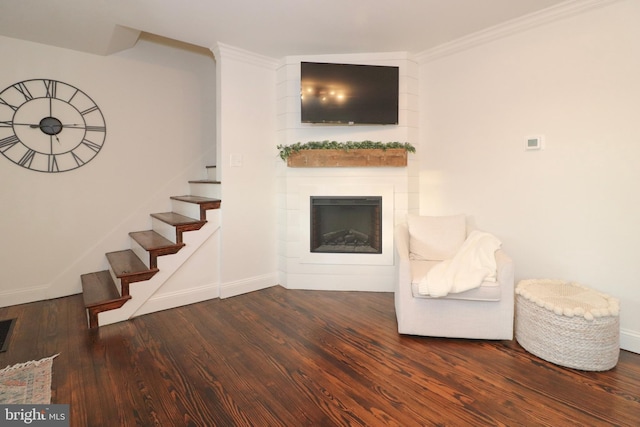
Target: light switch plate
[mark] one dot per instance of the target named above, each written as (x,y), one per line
(235,160)
(534,142)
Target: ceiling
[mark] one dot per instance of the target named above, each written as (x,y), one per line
(274,28)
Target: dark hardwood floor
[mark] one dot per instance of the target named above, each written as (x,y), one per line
(281,357)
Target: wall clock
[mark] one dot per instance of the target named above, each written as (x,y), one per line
(49,126)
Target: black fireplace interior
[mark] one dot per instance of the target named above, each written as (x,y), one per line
(346,224)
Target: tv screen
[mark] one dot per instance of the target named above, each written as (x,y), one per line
(348,94)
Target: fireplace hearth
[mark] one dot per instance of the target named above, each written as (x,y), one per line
(345,224)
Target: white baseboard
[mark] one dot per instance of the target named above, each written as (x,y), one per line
(23,296)
(630,340)
(329,282)
(179,298)
(231,289)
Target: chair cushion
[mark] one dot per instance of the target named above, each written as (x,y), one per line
(488,290)
(435,238)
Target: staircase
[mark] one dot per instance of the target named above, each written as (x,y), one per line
(110,289)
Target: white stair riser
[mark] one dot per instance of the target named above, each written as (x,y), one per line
(140,252)
(212,173)
(192,210)
(164,229)
(205,190)
(115,280)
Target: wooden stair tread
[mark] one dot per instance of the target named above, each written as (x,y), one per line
(152,241)
(176,219)
(126,264)
(100,294)
(155,244)
(98,289)
(205,181)
(206,202)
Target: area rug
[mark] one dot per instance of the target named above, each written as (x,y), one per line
(27,383)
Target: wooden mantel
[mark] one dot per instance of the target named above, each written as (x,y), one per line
(362,157)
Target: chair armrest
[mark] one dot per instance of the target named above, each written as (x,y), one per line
(401,258)
(401,235)
(505,270)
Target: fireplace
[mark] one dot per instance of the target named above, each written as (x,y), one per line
(346,224)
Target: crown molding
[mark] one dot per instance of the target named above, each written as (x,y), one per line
(356,56)
(223,51)
(514,26)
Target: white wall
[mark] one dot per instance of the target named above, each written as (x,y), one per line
(246,117)
(572,210)
(158,102)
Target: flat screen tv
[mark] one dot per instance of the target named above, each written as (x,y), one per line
(347,94)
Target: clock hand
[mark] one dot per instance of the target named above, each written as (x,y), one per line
(53,132)
(54,135)
(38,126)
(73,125)
(8,123)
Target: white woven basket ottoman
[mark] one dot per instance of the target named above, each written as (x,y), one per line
(568,324)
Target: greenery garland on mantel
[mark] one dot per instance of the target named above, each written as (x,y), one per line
(288,150)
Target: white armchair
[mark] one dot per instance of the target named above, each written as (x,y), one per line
(485,312)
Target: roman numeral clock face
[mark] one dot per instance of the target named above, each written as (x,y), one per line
(49,126)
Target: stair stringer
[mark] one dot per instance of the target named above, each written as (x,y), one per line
(201,272)
(168,265)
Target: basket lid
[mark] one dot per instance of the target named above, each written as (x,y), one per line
(568,298)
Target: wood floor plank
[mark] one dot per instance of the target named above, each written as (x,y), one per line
(280,357)
(217,365)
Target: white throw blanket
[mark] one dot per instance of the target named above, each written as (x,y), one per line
(474,263)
